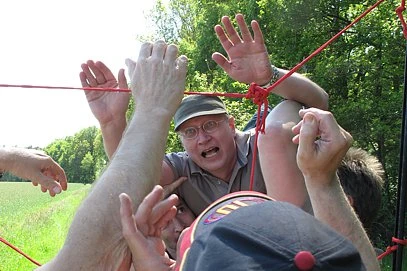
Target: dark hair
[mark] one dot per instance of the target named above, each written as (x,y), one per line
(361,176)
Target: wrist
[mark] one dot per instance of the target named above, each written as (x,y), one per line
(275,75)
(116,123)
(321,182)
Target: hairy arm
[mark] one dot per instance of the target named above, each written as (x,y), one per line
(95,240)
(319,160)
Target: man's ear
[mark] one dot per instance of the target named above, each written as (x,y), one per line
(231,121)
(350,200)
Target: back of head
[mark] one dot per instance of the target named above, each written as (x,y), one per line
(269,235)
(361,176)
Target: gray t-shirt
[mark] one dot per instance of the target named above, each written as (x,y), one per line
(202,188)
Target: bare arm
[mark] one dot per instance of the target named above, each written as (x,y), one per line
(109,108)
(36,166)
(284,181)
(95,240)
(248,61)
(318,161)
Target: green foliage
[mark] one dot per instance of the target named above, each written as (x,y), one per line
(362,71)
(81,155)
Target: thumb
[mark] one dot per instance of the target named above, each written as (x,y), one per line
(50,184)
(308,133)
(131,66)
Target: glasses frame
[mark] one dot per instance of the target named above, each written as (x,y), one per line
(182,133)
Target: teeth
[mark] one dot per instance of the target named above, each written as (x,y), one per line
(210,153)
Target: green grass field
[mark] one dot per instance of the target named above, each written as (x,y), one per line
(34,222)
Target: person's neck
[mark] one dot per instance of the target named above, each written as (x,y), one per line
(225,173)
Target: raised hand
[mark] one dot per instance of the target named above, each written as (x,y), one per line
(158,79)
(142,231)
(36,166)
(322,145)
(106,106)
(247,58)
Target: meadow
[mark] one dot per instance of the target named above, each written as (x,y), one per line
(34,222)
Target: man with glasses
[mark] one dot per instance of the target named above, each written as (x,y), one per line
(217,156)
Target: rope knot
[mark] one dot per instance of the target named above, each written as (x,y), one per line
(257,94)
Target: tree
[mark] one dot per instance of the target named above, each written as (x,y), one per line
(361,71)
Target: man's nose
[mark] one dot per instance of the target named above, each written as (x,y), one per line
(203,136)
(178,226)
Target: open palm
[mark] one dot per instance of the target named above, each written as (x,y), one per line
(247,60)
(106,106)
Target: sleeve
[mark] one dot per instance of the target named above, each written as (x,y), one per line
(177,162)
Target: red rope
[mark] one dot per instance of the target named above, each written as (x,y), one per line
(19,251)
(256,93)
(391,249)
(50,87)
(399,12)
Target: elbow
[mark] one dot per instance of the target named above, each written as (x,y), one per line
(324,100)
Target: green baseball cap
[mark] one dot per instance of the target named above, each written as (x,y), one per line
(198,105)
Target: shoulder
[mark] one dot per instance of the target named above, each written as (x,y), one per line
(175,158)
(245,138)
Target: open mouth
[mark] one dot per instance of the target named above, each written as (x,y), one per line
(210,152)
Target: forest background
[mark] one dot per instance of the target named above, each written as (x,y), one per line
(362,72)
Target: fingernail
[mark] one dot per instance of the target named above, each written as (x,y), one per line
(56,190)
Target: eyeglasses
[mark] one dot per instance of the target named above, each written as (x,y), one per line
(208,127)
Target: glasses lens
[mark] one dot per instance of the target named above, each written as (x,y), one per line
(190,132)
(210,126)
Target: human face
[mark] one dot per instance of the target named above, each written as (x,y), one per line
(214,152)
(172,231)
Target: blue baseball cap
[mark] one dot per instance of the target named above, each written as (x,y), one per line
(250,231)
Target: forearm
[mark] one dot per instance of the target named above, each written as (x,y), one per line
(5,159)
(284,181)
(300,89)
(112,133)
(127,172)
(331,206)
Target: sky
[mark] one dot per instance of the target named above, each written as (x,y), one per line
(44,42)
